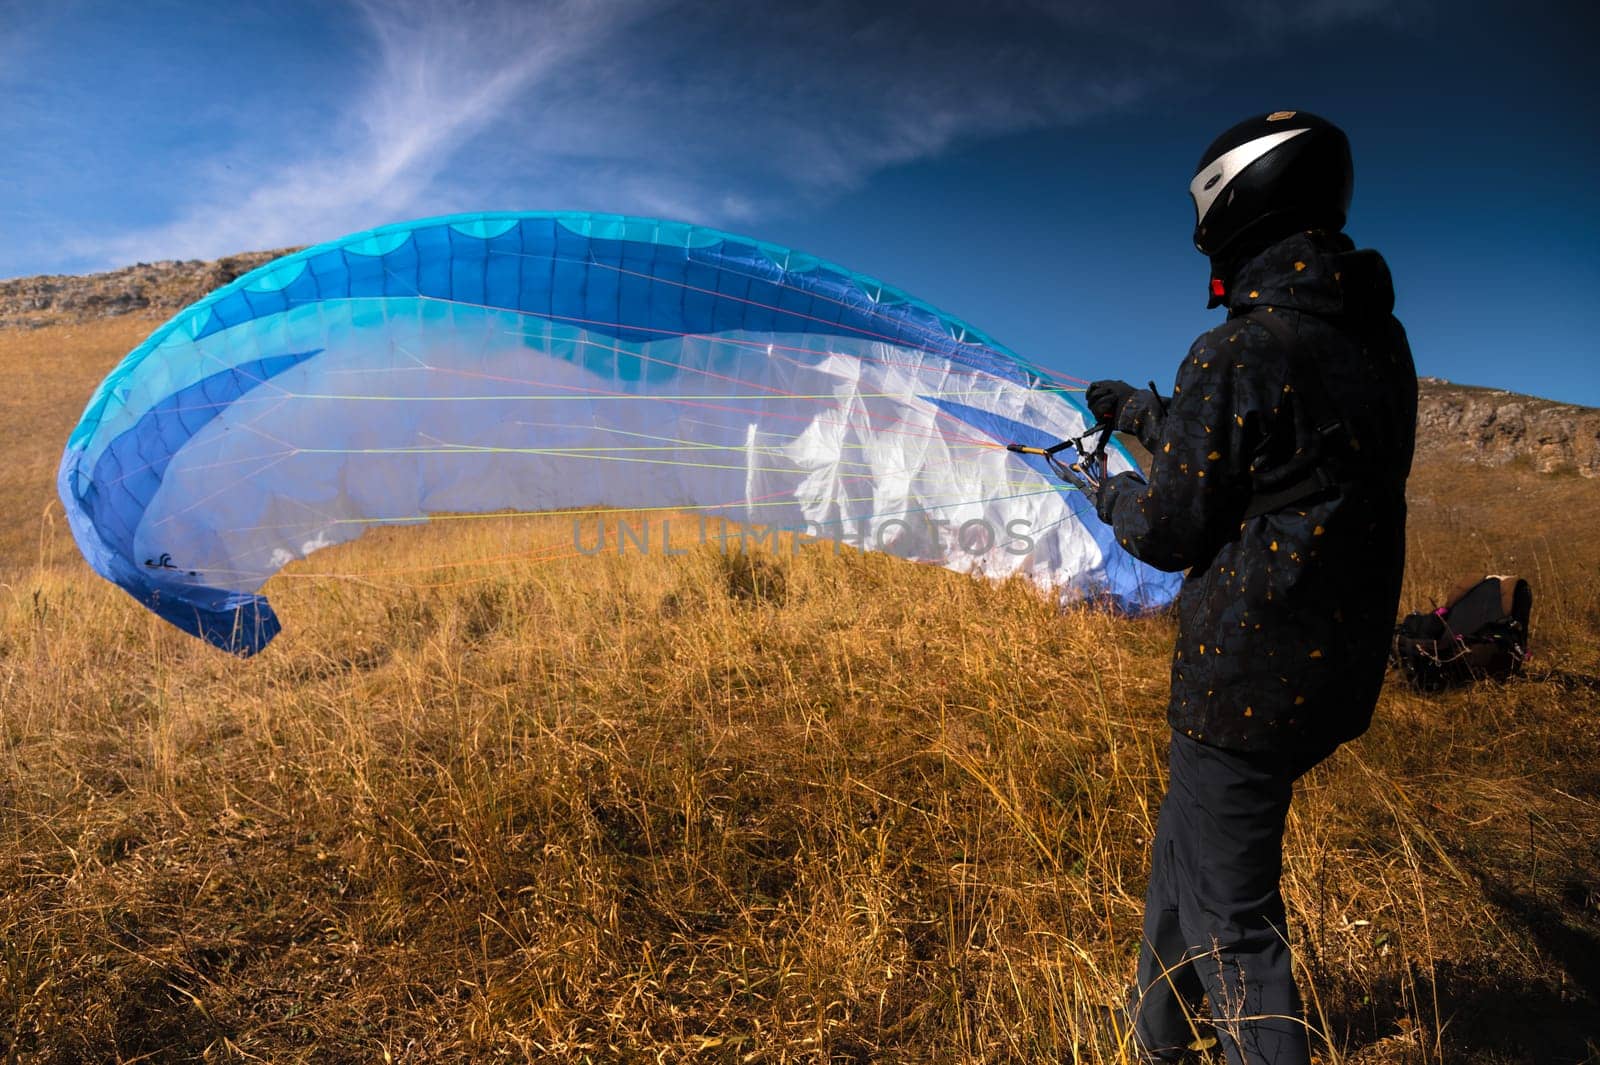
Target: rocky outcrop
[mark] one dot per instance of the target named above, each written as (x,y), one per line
(154,289)
(1493,427)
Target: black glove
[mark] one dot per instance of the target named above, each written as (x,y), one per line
(1098,485)
(1105,500)
(1105,399)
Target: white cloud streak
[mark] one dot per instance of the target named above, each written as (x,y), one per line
(441,75)
(705,110)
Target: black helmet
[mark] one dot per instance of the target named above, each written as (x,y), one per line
(1267,177)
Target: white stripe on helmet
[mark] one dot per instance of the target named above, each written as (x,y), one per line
(1209,183)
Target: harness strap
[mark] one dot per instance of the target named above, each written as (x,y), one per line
(1329,432)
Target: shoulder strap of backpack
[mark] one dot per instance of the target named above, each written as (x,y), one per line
(1274,323)
(1330,428)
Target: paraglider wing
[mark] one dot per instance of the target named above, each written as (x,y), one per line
(536,362)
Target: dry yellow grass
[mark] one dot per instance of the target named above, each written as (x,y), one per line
(759,807)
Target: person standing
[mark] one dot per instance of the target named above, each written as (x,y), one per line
(1277,480)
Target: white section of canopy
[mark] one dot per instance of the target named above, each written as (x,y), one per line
(478,410)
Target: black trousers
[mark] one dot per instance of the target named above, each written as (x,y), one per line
(1214,917)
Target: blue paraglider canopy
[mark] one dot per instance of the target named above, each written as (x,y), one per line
(534,362)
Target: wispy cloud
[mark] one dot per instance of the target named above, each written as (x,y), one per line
(709,110)
(439,76)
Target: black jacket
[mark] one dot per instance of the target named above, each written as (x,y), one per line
(1285,618)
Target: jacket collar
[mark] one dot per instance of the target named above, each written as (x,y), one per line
(1317,272)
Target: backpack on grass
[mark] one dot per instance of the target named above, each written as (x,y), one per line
(1480,633)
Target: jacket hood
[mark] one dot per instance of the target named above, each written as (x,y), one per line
(1320,273)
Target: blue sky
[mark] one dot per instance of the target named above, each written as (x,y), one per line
(1021,164)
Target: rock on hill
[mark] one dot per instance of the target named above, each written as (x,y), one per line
(1494,427)
(1482,425)
(157,290)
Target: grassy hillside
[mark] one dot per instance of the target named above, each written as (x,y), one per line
(489,799)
